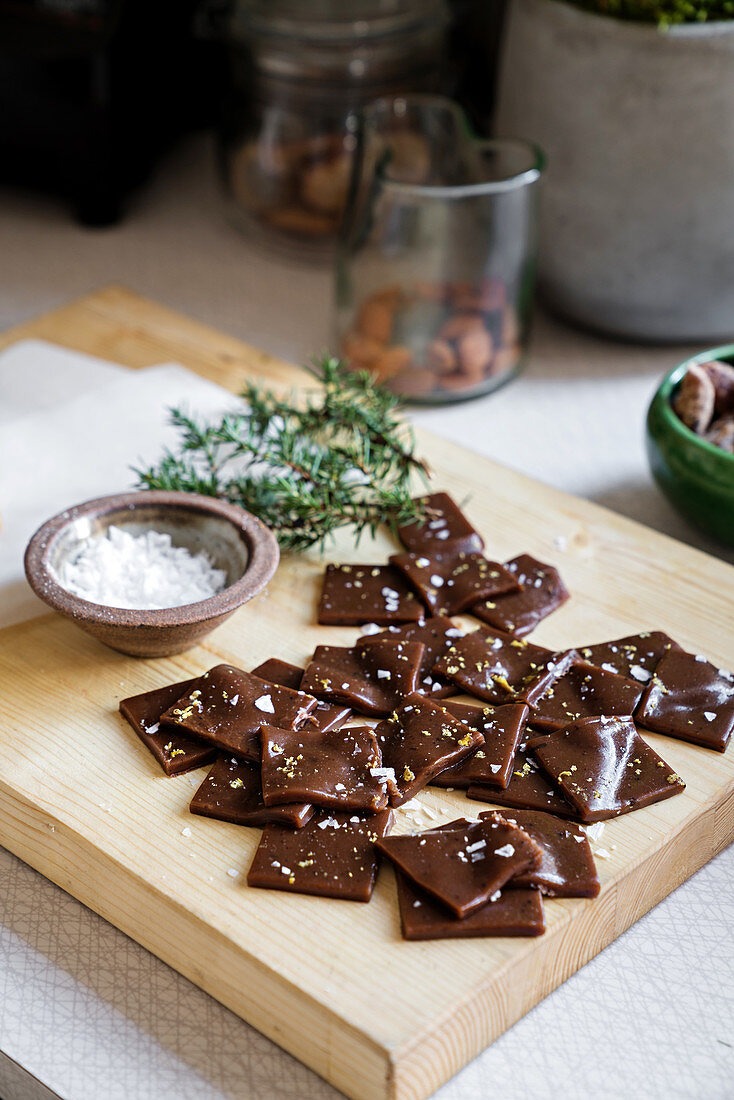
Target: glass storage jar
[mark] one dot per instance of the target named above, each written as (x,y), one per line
(436,268)
(299,68)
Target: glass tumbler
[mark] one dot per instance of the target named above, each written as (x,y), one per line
(436,266)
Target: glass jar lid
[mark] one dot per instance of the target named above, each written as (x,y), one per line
(331,39)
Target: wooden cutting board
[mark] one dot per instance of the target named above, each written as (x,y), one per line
(332,982)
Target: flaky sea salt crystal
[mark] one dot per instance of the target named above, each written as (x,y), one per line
(506,850)
(140,572)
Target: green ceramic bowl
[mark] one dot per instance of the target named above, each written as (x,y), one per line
(696,477)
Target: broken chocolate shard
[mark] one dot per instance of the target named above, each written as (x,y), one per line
(372,677)
(418,741)
(449,583)
(567,868)
(528,789)
(584,691)
(232,792)
(542,591)
(513,913)
(491,764)
(338,770)
(604,768)
(500,668)
(462,867)
(436,634)
(443,525)
(228,706)
(174,752)
(690,698)
(324,716)
(635,656)
(356,594)
(333,856)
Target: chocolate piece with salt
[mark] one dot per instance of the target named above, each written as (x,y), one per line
(690,698)
(228,706)
(357,594)
(449,583)
(175,753)
(582,692)
(418,741)
(333,856)
(373,677)
(635,656)
(513,913)
(491,764)
(463,866)
(436,634)
(567,868)
(324,716)
(338,770)
(604,768)
(232,792)
(528,789)
(443,526)
(541,592)
(499,668)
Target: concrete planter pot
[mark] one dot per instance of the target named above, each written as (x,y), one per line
(637,225)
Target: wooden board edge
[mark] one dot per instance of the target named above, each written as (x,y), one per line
(123,326)
(337,1051)
(453,1040)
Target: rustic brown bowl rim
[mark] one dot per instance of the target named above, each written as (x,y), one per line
(262,546)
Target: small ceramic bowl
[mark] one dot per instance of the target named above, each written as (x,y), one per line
(234,540)
(696,477)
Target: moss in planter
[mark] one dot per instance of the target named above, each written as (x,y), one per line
(662,12)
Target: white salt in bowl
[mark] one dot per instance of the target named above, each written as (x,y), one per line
(232,539)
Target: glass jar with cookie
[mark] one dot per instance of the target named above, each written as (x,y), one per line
(298,71)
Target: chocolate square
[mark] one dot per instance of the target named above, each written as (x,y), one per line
(418,741)
(463,867)
(372,677)
(567,868)
(436,634)
(635,656)
(541,592)
(333,856)
(443,525)
(175,753)
(604,768)
(232,792)
(449,583)
(499,668)
(228,706)
(324,716)
(357,594)
(690,698)
(582,692)
(513,913)
(502,728)
(336,770)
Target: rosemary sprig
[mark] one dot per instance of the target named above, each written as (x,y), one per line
(306,465)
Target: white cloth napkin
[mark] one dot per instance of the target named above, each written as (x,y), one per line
(71,428)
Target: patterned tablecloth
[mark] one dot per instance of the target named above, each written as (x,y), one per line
(85,1012)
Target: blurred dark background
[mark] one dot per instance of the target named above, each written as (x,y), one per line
(94,92)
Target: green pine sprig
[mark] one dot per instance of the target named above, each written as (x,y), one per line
(306,465)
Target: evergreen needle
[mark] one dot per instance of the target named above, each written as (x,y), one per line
(307,465)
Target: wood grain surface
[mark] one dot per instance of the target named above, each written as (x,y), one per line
(83,802)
